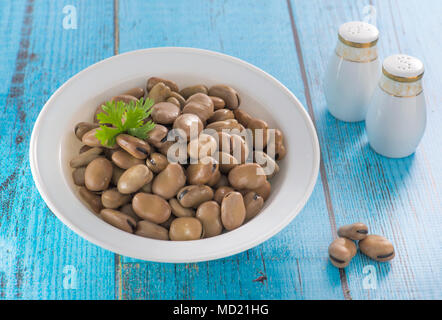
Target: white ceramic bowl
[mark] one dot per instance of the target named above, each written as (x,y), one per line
(53,144)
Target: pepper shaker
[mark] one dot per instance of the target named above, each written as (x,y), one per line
(353,71)
(396,118)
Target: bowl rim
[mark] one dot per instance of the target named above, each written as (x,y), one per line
(292,213)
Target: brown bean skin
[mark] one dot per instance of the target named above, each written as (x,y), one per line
(125,98)
(247,176)
(93,200)
(83,127)
(134,179)
(90,139)
(78,176)
(98,174)
(228,94)
(377,247)
(193,195)
(112,199)
(341,251)
(118,220)
(152,81)
(85,148)
(221,192)
(278,146)
(189,91)
(184,229)
(151,207)
(264,190)
(233,211)
(203,112)
(222,182)
(226,161)
(124,160)
(259,129)
(204,146)
(157,162)
(151,230)
(137,148)
(268,164)
(188,122)
(209,213)
(216,176)
(116,174)
(175,101)
(218,103)
(169,181)
(127,209)
(221,115)
(85,158)
(179,211)
(355,231)
(253,203)
(239,147)
(158,136)
(165,112)
(201,172)
(242,117)
(159,92)
(179,98)
(229,124)
(135,92)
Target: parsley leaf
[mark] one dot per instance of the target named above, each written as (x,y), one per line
(124,117)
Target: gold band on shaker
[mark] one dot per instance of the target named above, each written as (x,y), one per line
(397,96)
(401,79)
(358,61)
(356,44)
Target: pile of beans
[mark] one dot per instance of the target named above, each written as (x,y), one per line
(342,250)
(136,187)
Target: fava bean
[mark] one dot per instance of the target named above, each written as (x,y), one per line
(233,211)
(98,174)
(151,207)
(209,213)
(355,231)
(341,251)
(192,196)
(377,247)
(167,183)
(118,220)
(134,178)
(185,228)
(151,230)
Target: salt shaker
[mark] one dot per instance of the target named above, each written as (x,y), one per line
(396,117)
(353,71)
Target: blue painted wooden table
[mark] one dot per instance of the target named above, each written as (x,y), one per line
(40,258)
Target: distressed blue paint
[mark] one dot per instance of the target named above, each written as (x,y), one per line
(35,59)
(397,198)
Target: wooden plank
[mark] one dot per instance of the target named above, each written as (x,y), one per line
(293,262)
(396,198)
(37,251)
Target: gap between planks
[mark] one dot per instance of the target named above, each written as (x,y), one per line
(323,173)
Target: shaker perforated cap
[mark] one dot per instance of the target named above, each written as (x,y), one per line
(403,68)
(358,34)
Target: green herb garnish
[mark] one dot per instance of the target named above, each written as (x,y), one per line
(124,118)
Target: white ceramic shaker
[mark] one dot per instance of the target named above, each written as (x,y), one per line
(396,117)
(353,71)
